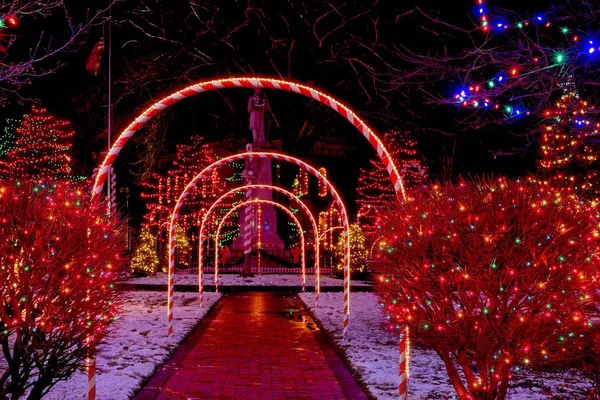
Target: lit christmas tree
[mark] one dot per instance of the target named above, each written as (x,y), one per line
(41,149)
(145,258)
(568,146)
(375,189)
(182,248)
(358,251)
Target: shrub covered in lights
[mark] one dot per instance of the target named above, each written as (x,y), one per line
(60,257)
(493,275)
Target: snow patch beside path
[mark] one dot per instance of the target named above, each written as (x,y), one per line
(373,354)
(137,345)
(237,280)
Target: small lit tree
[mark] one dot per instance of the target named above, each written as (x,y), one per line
(182,248)
(60,258)
(491,274)
(145,259)
(358,251)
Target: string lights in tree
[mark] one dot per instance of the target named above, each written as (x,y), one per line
(329,219)
(494,275)
(519,70)
(60,261)
(41,148)
(162,191)
(7,140)
(375,191)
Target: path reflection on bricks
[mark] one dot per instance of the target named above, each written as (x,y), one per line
(253,348)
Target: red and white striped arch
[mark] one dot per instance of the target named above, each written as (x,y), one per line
(249,82)
(275,204)
(272,156)
(300,203)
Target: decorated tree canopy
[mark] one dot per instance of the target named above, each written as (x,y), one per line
(375,190)
(494,275)
(41,148)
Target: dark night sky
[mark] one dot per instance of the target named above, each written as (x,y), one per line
(70,91)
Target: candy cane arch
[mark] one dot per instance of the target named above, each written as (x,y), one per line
(300,203)
(257,202)
(248,156)
(250,82)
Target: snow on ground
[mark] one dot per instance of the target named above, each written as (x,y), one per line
(373,354)
(237,280)
(137,345)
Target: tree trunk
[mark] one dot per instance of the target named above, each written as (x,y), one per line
(38,388)
(455,380)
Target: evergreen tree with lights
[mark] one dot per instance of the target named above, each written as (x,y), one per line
(375,189)
(358,251)
(569,145)
(145,259)
(41,150)
(182,248)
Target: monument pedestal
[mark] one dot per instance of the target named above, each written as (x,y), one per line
(269,240)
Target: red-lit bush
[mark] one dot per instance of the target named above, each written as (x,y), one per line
(493,275)
(60,257)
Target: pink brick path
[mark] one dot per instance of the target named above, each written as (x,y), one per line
(249,350)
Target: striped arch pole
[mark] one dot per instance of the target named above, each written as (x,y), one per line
(290,195)
(403,371)
(91,371)
(250,82)
(266,155)
(257,202)
(259,239)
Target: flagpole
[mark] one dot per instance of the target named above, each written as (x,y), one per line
(110,205)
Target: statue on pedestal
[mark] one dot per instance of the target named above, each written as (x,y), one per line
(259,170)
(257,104)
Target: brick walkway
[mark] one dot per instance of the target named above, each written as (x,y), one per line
(248,349)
